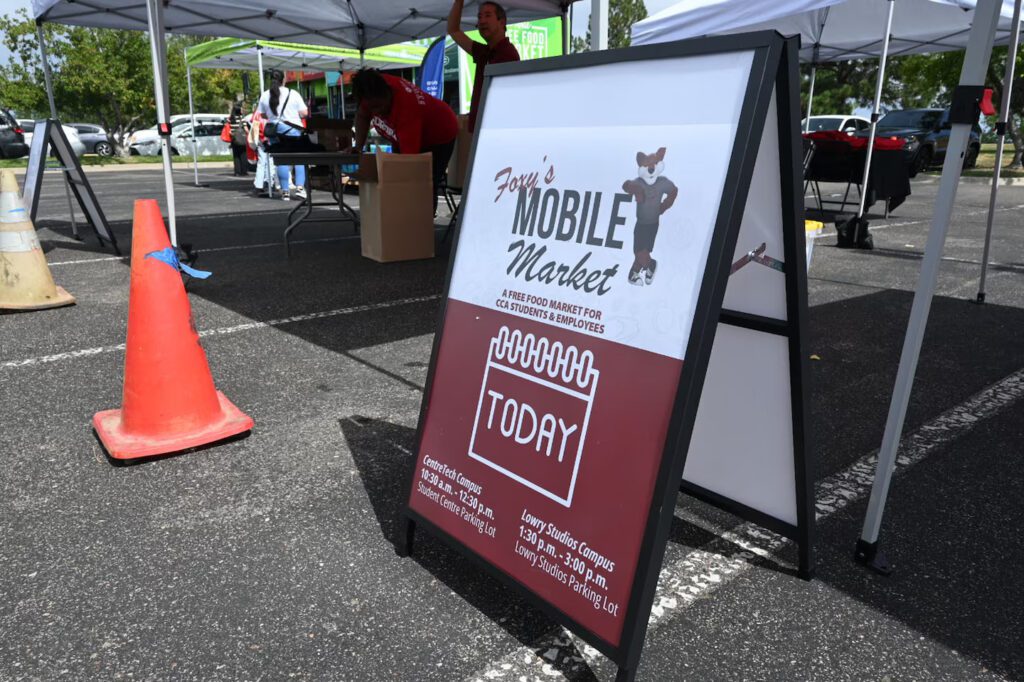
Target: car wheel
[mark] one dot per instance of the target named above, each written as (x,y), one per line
(971,160)
(924,160)
(133,152)
(103,149)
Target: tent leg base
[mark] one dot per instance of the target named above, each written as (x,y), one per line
(407,532)
(980,298)
(867,555)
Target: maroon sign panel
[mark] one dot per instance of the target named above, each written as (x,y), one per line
(569,309)
(532,459)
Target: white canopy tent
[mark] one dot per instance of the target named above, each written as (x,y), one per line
(357,24)
(834,30)
(829,30)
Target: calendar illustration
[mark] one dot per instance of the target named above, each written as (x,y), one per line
(533,411)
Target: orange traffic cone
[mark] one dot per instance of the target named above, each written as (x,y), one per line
(170,402)
(25,279)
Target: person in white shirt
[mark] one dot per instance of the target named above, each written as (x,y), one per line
(284,110)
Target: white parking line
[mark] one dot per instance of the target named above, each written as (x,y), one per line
(702,571)
(201,251)
(222,331)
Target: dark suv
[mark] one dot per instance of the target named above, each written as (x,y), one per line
(927,135)
(12,139)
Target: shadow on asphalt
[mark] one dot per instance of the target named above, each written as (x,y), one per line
(859,342)
(951,521)
(383,454)
(951,529)
(967,347)
(919,255)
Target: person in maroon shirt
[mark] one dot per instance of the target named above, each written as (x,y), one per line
(491,22)
(412,120)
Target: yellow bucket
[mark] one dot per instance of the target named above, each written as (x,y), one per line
(812,230)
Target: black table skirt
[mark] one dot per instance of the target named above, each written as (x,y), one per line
(889,179)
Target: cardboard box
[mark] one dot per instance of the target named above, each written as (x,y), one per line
(460,156)
(396,206)
(334,134)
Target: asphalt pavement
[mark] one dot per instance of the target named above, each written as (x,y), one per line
(270,557)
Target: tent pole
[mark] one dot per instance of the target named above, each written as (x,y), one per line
(1004,114)
(598,25)
(566,31)
(48,77)
(810,98)
(875,111)
(979,49)
(362,46)
(158,54)
(192,118)
(341,89)
(810,95)
(259,65)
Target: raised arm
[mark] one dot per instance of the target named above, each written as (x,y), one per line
(455,27)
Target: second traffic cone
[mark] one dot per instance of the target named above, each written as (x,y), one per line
(25,279)
(170,402)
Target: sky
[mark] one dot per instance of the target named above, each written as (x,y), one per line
(581,15)
(9,7)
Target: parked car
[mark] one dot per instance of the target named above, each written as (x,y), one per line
(12,137)
(927,135)
(848,124)
(147,142)
(94,138)
(77,146)
(207,140)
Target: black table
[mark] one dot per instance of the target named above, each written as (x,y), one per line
(333,162)
(888,181)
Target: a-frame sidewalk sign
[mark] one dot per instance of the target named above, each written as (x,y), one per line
(625,310)
(48,133)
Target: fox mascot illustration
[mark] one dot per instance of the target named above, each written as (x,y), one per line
(654,195)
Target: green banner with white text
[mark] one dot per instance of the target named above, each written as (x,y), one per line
(533,40)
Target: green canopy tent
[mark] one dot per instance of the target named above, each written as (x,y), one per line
(259,55)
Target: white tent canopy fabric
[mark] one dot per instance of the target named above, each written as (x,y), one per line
(357,24)
(829,30)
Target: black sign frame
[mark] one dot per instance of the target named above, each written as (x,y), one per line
(793,329)
(774,68)
(49,133)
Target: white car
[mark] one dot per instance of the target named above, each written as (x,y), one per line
(76,143)
(207,140)
(851,125)
(147,142)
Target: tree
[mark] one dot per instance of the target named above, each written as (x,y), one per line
(840,87)
(102,76)
(622,14)
(914,82)
(929,81)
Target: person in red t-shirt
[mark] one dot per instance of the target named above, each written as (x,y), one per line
(410,118)
(490,21)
